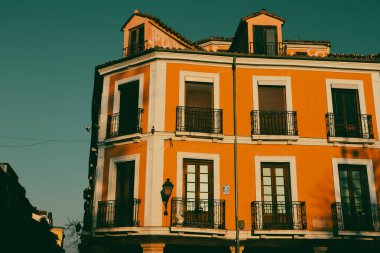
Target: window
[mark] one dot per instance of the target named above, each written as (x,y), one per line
(272,108)
(265,40)
(136,40)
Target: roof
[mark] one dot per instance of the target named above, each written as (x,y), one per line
(263,11)
(308,42)
(215,38)
(160,23)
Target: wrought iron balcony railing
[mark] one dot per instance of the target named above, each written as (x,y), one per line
(274,123)
(267,48)
(279,215)
(351,126)
(116,128)
(198,213)
(358,217)
(121,213)
(135,49)
(202,120)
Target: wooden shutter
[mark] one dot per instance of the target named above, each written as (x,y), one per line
(272,98)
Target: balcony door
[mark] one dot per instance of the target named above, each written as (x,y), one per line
(346,112)
(272,106)
(199,193)
(265,39)
(128,114)
(355,199)
(199,103)
(136,40)
(276,194)
(124,197)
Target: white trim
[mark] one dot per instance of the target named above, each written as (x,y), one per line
(370,175)
(272,81)
(103,110)
(116,95)
(113,172)
(198,77)
(345,84)
(157,96)
(154,180)
(270,159)
(204,156)
(98,184)
(376,97)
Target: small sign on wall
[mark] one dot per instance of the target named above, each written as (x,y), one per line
(226,189)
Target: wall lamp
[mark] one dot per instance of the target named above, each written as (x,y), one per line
(166,191)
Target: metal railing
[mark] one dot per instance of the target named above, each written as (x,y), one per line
(267,48)
(114,129)
(274,122)
(198,213)
(353,126)
(203,120)
(135,49)
(358,217)
(278,215)
(122,213)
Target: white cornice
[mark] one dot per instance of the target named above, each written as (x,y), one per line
(248,62)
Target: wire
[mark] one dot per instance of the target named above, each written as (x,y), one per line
(41,141)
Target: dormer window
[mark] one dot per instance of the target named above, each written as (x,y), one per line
(265,40)
(136,40)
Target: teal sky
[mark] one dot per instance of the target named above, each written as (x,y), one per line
(48,51)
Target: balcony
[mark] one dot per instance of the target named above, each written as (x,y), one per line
(358,217)
(267,48)
(349,128)
(274,125)
(115,129)
(114,213)
(135,49)
(198,213)
(192,120)
(278,216)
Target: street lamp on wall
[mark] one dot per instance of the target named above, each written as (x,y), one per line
(166,191)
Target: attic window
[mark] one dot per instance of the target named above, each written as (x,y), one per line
(136,40)
(265,40)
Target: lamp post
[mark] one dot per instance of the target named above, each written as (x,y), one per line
(166,191)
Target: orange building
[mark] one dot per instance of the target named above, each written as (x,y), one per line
(307,142)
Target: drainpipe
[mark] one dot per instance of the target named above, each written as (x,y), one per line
(237,246)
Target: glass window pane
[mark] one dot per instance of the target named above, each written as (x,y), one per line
(203,187)
(279,171)
(343,183)
(356,174)
(191,187)
(203,178)
(190,177)
(266,171)
(190,195)
(267,181)
(279,180)
(204,195)
(267,190)
(280,198)
(356,183)
(342,174)
(203,169)
(344,192)
(190,168)
(268,198)
(280,190)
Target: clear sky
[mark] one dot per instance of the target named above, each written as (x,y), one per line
(48,51)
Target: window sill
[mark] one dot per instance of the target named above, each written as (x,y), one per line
(275,137)
(123,138)
(358,233)
(350,140)
(117,230)
(199,135)
(279,232)
(190,230)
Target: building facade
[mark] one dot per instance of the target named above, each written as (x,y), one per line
(307,137)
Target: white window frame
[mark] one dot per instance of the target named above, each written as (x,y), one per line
(276,159)
(370,176)
(113,172)
(116,95)
(272,81)
(200,156)
(188,76)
